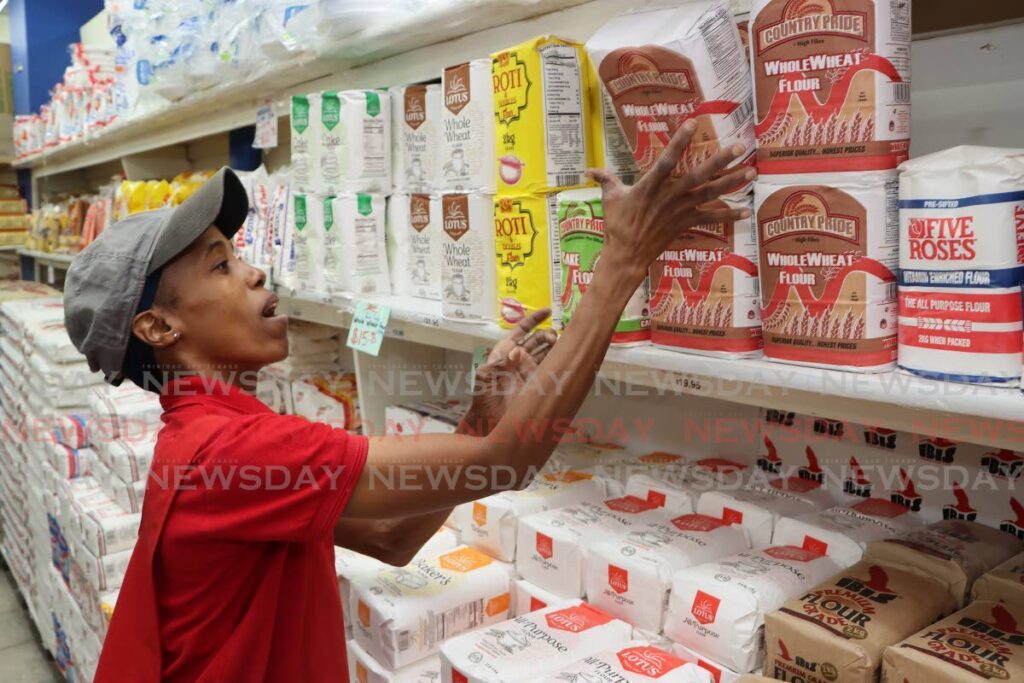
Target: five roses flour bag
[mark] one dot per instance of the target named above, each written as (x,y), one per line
(665,65)
(832,84)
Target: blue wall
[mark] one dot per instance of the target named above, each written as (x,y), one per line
(41,31)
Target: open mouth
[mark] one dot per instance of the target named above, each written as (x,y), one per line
(270,308)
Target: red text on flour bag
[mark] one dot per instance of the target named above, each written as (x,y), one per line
(576,619)
(705,607)
(831,84)
(649,662)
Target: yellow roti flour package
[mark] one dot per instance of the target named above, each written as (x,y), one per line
(526,248)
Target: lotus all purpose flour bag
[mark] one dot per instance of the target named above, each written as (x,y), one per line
(961,256)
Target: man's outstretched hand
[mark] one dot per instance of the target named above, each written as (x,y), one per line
(508,367)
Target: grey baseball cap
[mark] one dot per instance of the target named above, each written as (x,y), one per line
(105,282)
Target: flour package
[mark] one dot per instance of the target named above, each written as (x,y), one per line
(530,646)
(755,511)
(961,256)
(610,148)
(675,498)
(843,532)
(528,598)
(663,66)
(828,246)
(490,524)
(468,276)
(629,575)
(719,672)
(841,627)
(704,288)
(403,614)
(832,84)
(616,476)
(953,551)
(355,259)
(467,158)
(718,609)
(307,227)
(552,546)
(526,250)
(982,642)
(352,142)
(414,240)
(1005,582)
(303,171)
(416,136)
(632,661)
(362,668)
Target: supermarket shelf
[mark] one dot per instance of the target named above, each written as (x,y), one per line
(986,415)
(42,258)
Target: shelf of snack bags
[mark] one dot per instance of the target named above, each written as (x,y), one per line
(365,43)
(14,217)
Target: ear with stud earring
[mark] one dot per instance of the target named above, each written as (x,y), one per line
(176,334)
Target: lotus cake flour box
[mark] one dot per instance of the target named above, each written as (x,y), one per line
(541,112)
(580,241)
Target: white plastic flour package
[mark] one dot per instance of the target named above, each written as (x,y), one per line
(629,575)
(468,276)
(525,648)
(352,143)
(303,135)
(467,128)
(402,614)
(362,668)
(416,137)
(843,532)
(755,511)
(307,223)
(717,609)
(529,598)
(355,257)
(414,241)
(552,546)
(676,497)
(719,673)
(632,661)
(961,252)
(490,524)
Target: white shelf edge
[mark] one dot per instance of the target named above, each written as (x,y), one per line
(893,400)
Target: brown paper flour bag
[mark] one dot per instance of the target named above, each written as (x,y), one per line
(955,551)
(981,642)
(838,630)
(1005,582)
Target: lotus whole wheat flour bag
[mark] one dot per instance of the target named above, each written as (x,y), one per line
(541,109)
(467,128)
(662,66)
(961,252)
(839,629)
(414,242)
(416,137)
(469,289)
(1005,582)
(526,250)
(580,241)
(832,84)
(982,642)
(704,289)
(828,247)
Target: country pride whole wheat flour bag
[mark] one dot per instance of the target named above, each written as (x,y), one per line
(961,255)
(403,614)
(953,551)
(362,668)
(982,642)
(490,524)
(718,609)
(529,598)
(832,84)
(632,661)
(663,66)
(610,148)
(552,546)
(828,246)
(1005,582)
(843,532)
(530,646)
(414,234)
(630,574)
(467,128)
(416,137)
(839,629)
(469,289)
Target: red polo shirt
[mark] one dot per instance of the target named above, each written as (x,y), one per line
(233,575)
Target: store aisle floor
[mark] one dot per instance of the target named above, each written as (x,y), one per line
(22,658)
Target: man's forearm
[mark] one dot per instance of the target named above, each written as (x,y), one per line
(394,541)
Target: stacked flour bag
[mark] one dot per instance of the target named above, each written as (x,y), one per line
(635,660)
(961,257)
(832,94)
(658,68)
(1004,582)
(415,234)
(678,488)
(401,615)
(718,609)
(469,289)
(542,111)
(259,239)
(424,417)
(530,646)
(415,138)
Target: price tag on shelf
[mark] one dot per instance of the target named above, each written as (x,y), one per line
(369,322)
(266,126)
